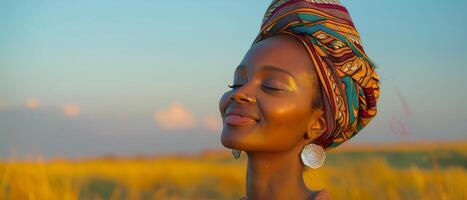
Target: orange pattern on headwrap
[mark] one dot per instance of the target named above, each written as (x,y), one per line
(349,82)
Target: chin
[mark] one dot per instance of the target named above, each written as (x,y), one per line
(229,140)
(244,139)
(236,139)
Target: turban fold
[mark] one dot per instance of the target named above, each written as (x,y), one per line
(349,82)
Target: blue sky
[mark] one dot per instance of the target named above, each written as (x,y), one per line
(91,77)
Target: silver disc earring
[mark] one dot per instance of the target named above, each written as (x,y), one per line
(313,156)
(236,153)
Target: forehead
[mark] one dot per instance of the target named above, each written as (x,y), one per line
(281,51)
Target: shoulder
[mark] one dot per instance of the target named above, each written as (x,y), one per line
(321,195)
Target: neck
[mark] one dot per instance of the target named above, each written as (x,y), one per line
(275,176)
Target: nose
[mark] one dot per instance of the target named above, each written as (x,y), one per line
(241,97)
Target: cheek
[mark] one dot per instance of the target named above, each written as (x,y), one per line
(285,117)
(284,113)
(224,101)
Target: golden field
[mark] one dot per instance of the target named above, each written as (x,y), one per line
(404,171)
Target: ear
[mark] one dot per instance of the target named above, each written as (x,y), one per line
(316,127)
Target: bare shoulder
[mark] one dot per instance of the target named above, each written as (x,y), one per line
(321,195)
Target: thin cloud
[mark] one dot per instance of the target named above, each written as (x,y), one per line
(405,104)
(176,116)
(213,123)
(32,103)
(71,110)
(398,127)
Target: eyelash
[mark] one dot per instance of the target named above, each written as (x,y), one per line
(234,86)
(271,88)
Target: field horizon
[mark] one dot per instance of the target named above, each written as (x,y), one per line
(351,147)
(398,171)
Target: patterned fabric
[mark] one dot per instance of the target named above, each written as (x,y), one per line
(349,83)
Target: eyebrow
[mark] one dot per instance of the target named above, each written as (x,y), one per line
(268,68)
(277,69)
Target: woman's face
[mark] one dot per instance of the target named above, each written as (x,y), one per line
(269,108)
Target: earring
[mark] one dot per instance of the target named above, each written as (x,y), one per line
(313,156)
(236,153)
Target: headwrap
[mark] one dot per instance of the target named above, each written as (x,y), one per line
(349,83)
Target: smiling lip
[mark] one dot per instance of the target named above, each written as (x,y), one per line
(240,117)
(238,120)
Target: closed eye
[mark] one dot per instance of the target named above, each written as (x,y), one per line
(272,88)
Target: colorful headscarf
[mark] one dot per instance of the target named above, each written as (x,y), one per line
(349,83)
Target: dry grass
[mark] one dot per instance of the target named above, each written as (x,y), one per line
(425,172)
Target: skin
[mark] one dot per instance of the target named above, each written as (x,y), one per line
(275,83)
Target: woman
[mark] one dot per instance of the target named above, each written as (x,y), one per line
(304,86)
